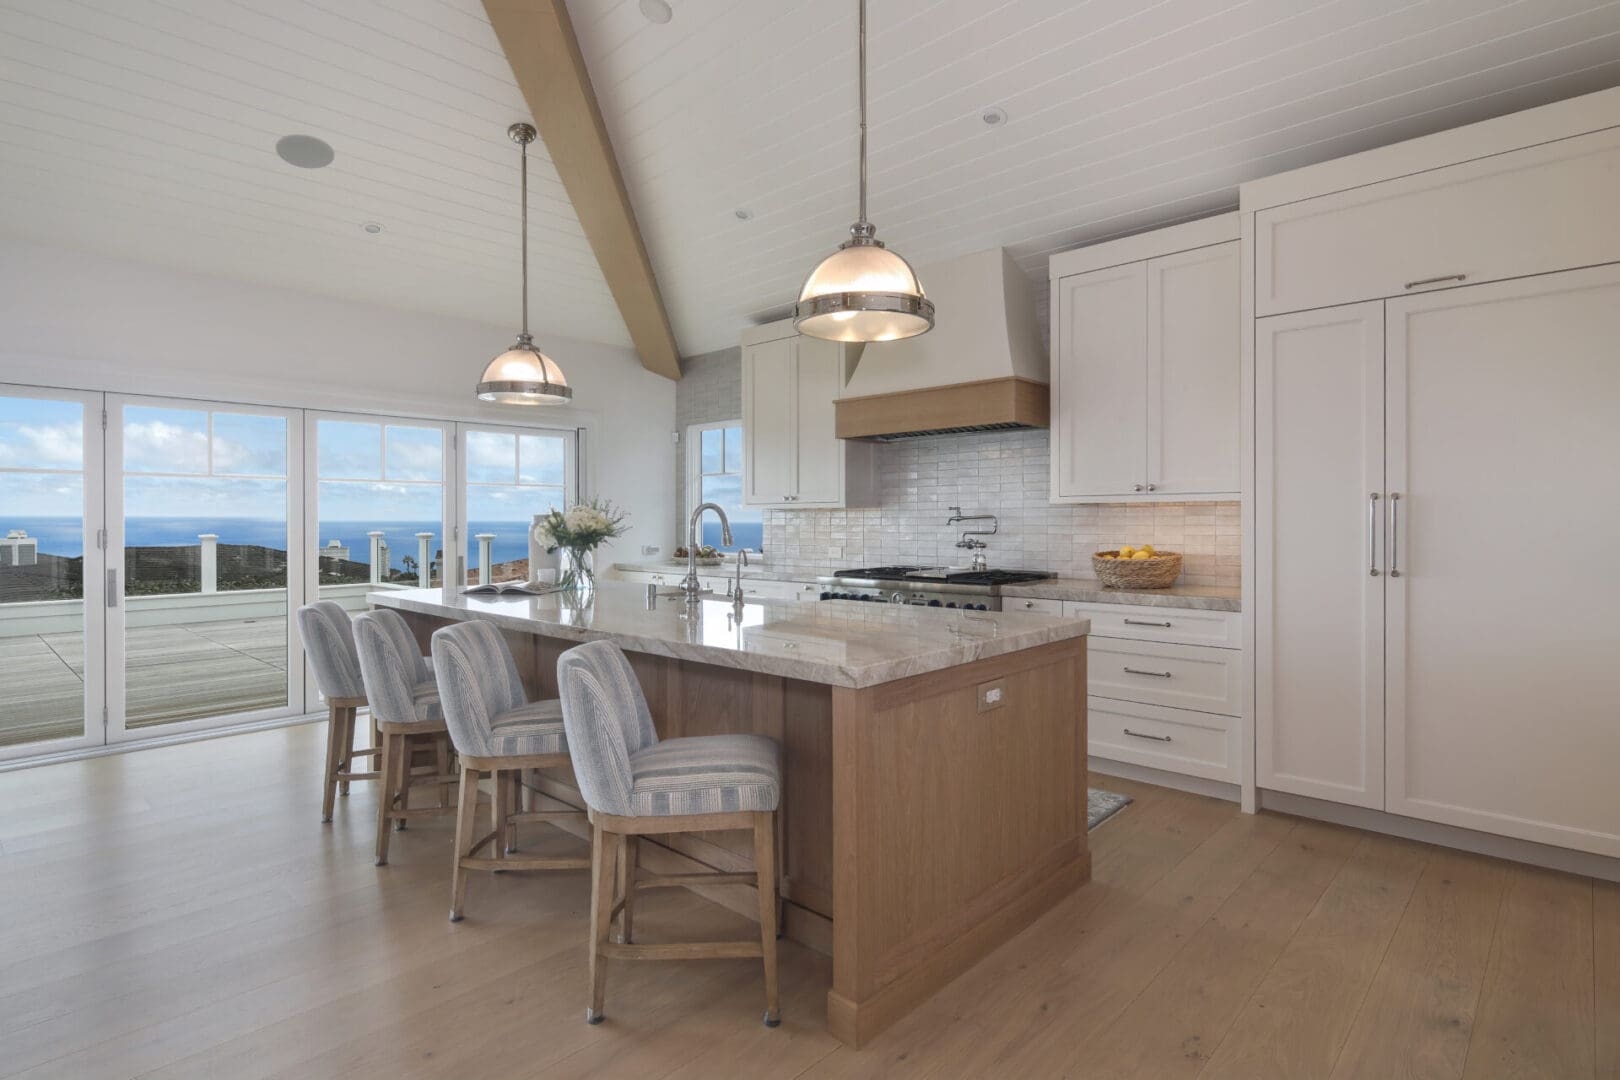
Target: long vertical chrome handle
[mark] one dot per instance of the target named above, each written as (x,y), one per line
(1394,534)
(112,588)
(1372,534)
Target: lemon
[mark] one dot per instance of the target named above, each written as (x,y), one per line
(1143,555)
(1149,549)
(1127,552)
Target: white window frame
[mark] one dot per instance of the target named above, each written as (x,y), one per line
(695,473)
(572,486)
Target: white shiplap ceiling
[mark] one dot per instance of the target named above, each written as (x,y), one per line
(1123,114)
(146,128)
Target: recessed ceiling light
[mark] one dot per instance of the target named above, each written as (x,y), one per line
(304,151)
(656,11)
(743,213)
(994,116)
(370,227)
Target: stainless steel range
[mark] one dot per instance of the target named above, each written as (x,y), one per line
(926,586)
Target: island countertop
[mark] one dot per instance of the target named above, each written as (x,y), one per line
(832,642)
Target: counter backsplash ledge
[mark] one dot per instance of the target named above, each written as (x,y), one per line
(1003,473)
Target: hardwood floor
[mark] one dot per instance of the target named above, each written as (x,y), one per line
(181,912)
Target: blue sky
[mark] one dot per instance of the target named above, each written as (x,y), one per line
(174,466)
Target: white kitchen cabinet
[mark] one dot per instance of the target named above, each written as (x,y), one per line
(1175,740)
(791,455)
(1146,371)
(1319,592)
(1431,639)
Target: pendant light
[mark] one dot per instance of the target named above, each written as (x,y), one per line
(523,375)
(863,291)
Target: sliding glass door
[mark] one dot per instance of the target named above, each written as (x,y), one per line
(203,518)
(51,581)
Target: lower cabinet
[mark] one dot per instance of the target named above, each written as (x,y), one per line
(1164,687)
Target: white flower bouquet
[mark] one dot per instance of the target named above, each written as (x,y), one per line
(577,532)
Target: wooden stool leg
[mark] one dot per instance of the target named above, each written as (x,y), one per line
(466,826)
(604,852)
(441,760)
(765,870)
(627,886)
(345,719)
(514,805)
(334,725)
(393,754)
(498,813)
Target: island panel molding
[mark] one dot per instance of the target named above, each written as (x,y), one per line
(918,832)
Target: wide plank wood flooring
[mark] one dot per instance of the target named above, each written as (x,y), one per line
(181,912)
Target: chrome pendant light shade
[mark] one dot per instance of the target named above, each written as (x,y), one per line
(523,375)
(863,291)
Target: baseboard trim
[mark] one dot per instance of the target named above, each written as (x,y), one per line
(130,747)
(1197,785)
(1451,836)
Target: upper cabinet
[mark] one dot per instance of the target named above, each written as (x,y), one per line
(792,456)
(1146,366)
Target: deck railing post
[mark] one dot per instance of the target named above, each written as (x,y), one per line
(424,555)
(210,561)
(484,542)
(378,550)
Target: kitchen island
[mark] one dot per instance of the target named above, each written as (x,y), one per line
(934,790)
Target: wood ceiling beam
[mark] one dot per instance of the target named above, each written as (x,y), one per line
(538,39)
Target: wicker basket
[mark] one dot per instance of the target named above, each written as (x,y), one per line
(1158,572)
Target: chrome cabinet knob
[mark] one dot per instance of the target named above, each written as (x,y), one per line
(1136,487)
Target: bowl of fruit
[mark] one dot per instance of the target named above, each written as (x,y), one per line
(1137,567)
(706,556)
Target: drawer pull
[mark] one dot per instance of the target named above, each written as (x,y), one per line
(1436,280)
(1155,674)
(1146,622)
(1139,735)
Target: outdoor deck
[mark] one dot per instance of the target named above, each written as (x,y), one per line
(176,672)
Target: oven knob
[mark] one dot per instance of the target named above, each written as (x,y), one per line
(933,603)
(826,596)
(897,597)
(980,607)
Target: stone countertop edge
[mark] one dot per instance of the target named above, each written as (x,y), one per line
(831,626)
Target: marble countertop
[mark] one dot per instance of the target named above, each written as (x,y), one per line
(832,642)
(1091,591)
(1087,590)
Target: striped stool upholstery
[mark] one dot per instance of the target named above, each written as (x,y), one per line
(405,707)
(329,643)
(495,730)
(634,785)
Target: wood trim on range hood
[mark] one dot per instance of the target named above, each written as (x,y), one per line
(1012,401)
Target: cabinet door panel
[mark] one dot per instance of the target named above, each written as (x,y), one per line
(1540,209)
(1504,432)
(1193,371)
(1319,445)
(1099,396)
(820,453)
(767,379)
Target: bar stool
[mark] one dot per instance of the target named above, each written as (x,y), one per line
(329,643)
(497,730)
(634,785)
(405,708)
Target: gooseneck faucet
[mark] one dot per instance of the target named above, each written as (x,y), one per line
(690,584)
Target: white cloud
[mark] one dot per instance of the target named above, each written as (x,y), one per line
(43,446)
(157,446)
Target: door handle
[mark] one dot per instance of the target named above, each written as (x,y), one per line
(112,588)
(1146,622)
(1155,674)
(1436,280)
(1372,534)
(1394,534)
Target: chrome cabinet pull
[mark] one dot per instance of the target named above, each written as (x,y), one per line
(1139,735)
(1394,534)
(1153,487)
(1436,280)
(1146,622)
(1136,487)
(1372,534)
(1155,674)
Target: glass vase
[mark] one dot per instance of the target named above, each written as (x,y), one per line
(576,571)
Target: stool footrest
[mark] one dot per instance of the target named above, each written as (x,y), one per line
(527,862)
(420,812)
(355,775)
(684,950)
(674,881)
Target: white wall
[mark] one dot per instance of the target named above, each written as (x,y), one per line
(78,320)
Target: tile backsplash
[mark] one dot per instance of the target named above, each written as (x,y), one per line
(1003,473)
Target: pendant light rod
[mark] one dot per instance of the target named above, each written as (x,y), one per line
(523,135)
(862,51)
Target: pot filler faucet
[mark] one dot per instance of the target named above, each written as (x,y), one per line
(968,543)
(690,584)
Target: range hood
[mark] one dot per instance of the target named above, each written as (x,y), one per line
(982,368)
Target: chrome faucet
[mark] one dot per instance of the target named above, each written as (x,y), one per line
(969,541)
(690,585)
(736,584)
